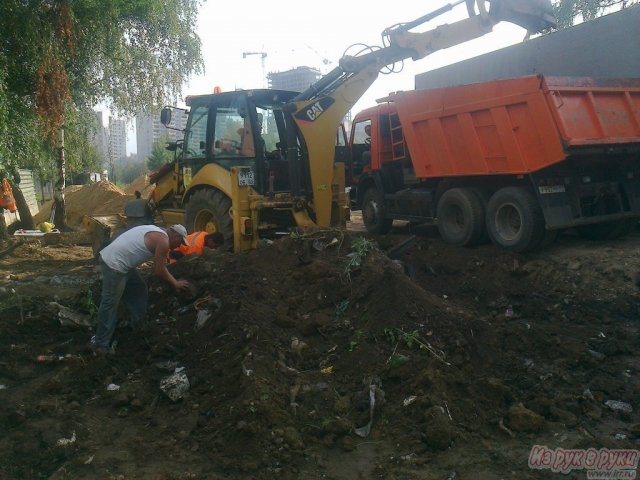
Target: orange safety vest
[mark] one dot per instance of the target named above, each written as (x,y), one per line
(6,200)
(195,244)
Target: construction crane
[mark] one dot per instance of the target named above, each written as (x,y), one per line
(263,55)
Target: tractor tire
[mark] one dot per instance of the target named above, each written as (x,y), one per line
(374,212)
(460,216)
(208,211)
(606,231)
(515,220)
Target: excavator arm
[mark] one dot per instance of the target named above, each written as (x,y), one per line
(318,111)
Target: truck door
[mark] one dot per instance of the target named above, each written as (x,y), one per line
(342,153)
(359,157)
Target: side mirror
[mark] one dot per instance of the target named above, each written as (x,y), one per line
(165,116)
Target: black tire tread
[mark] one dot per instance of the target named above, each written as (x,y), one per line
(534,229)
(471,204)
(216,201)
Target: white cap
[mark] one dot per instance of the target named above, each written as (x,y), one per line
(180,230)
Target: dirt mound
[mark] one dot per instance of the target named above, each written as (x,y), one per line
(98,198)
(141,184)
(468,356)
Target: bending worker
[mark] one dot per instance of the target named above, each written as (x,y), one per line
(195,243)
(121,280)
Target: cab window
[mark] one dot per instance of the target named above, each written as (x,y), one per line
(233,135)
(362,133)
(196,135)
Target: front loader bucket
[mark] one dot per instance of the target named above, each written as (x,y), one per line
(534,15)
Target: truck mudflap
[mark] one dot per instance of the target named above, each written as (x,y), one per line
(593,196)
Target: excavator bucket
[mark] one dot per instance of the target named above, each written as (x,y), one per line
(534,15)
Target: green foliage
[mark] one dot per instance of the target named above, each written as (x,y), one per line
(159,155)
(360,247)
(568,12)
(81,154)
(58,59)
(89,305)
(358,336)
(127,171)
(398,337)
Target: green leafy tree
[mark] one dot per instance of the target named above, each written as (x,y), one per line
(159,154)
(65,56)
(127,171)
(568,12)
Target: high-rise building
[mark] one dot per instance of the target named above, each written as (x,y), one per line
(117,139)
(296,80)
(149,130)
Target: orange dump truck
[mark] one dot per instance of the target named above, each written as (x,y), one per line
(517,160)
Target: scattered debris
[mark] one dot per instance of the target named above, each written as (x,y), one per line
(409,400)
(112,387)
(63,442)
(49,358)
(69,317)
(618,406)
(374,393)
(175,386)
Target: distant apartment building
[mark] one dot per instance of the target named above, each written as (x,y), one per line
(110,141)
(149,130)
(296,80)
(117,140)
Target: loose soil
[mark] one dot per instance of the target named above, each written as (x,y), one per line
(471,356)
(98,198)
(140,184)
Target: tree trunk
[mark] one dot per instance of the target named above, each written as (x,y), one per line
(4,233)
(59,218)
(26,219)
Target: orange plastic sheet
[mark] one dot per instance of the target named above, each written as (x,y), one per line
(6,200)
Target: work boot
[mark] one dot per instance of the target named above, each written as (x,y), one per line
(98,350)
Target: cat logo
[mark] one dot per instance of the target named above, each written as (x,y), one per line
(314,110)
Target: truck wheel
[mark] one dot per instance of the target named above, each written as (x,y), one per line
(208,211)
(374,211)
(460,217)
(606,231)
(515,220)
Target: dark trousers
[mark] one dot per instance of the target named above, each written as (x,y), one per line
(128,287)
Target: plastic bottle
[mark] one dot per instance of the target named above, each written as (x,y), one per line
(47,358)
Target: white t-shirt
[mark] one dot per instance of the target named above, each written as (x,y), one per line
(128,250)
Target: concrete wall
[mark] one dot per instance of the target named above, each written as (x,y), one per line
(607,47)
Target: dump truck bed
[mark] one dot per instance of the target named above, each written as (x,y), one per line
(516,126)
